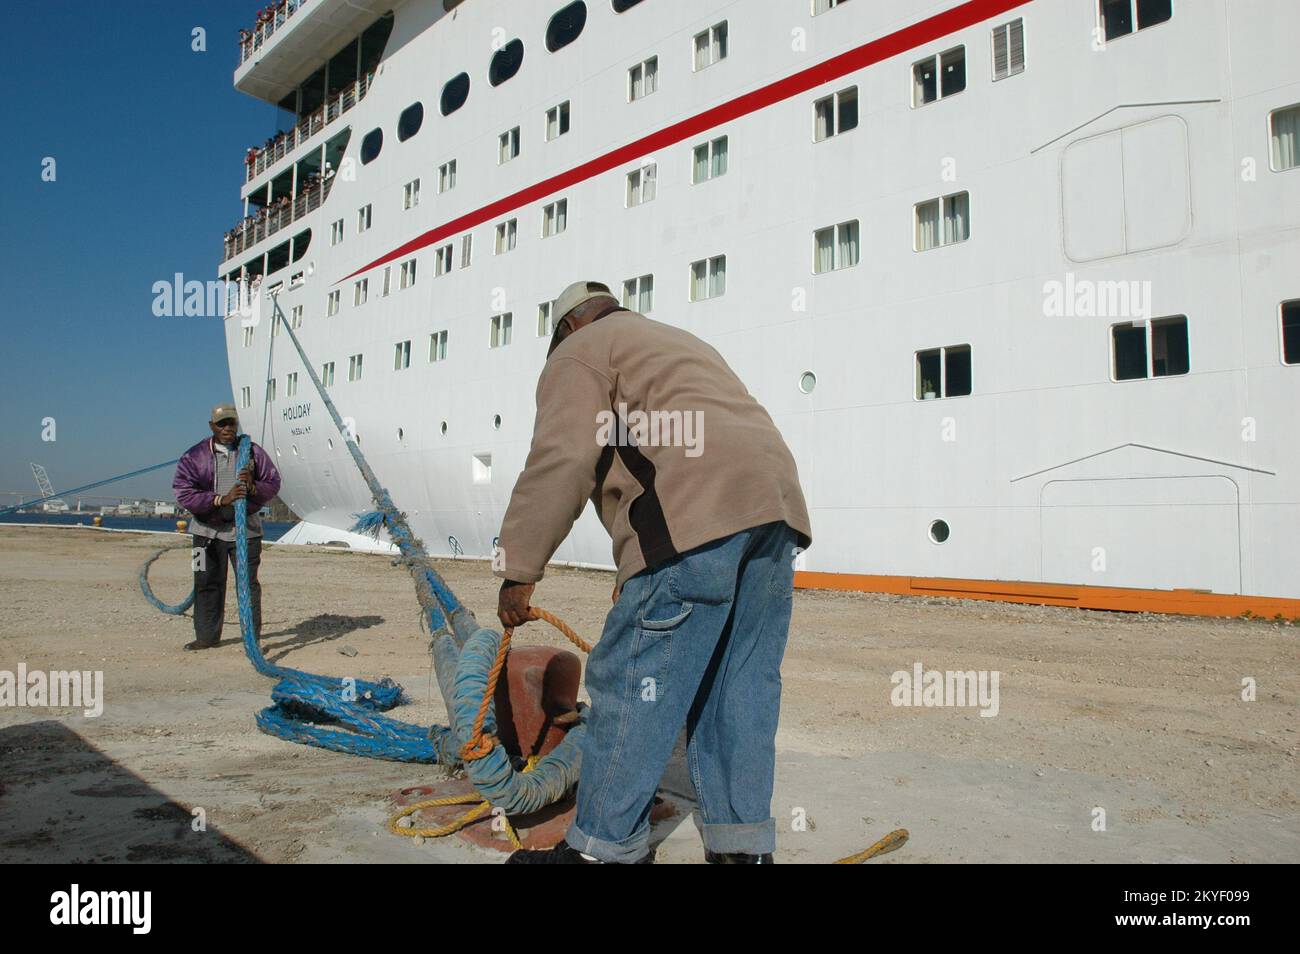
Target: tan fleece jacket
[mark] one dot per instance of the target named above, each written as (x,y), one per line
(650,423)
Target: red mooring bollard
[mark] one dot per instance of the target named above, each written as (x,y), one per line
(539,684)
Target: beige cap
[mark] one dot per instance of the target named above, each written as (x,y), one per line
(576,294)
(223,411)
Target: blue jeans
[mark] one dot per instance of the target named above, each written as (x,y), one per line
(694,641)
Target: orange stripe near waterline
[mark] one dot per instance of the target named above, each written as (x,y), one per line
(1121,599)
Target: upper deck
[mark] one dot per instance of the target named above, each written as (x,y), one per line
(291,38)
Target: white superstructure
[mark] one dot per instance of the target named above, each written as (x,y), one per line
(1023,298)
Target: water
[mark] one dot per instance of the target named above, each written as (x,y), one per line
(270,531)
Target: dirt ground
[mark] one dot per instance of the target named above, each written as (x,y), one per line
(1118,738)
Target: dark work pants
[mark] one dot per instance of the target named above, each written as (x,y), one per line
(210,572)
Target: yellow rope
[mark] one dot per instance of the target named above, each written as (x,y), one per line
(891,842)
(480,744)
(473,815)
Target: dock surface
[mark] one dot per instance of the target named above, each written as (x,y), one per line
(1141,716)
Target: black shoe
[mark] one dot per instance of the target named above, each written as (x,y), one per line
(196,645)
(735,858)
(562,854)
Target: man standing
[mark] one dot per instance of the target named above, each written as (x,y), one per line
(206,485)
(700,494)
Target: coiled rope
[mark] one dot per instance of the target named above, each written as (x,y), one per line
(173,610)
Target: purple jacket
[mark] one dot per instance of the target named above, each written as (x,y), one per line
(195,482)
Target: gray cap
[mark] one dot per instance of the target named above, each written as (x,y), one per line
(223,411)
(576,294)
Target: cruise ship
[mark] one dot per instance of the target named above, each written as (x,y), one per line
(1018,280)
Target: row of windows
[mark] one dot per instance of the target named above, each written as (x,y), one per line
(1139,350)
(935,77)
(564,27)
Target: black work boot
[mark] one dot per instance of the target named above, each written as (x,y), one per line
(562,854)
(736,858)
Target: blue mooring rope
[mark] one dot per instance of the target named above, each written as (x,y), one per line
(343,714)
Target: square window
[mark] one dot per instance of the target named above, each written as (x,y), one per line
(943,373)
(1291,332)
(710,160)
(555,218)
(438,346)
(1152,349)
(643,79)
(508,146)
(1008,49)
(638,294)
(937,77)
(708,278)
(557,121)
(447,176)
(506,234)
(500,330)
(943,221)
(1122,17)
(711,46)
(1284,138)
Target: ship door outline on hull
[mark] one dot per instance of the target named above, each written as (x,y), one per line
(1164,505)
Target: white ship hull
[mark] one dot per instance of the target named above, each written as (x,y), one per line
(1147,162)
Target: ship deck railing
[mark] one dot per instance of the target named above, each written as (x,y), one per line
(258,160)
(269,20)
(271,220)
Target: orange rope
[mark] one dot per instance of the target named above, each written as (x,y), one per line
(481,743)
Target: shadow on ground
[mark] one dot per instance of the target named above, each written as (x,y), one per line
(62,800)
(322,628)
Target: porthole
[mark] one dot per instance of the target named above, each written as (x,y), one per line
(496,422)
(566,26)
(506,62)
(455,93)
(807,381)
(939,531)
(295,450)
(371,145)
(277,452)
(329,442)
(408,124)
(444,428)
(401,436)
(622,5)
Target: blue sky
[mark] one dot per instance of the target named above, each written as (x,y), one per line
(149,138)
